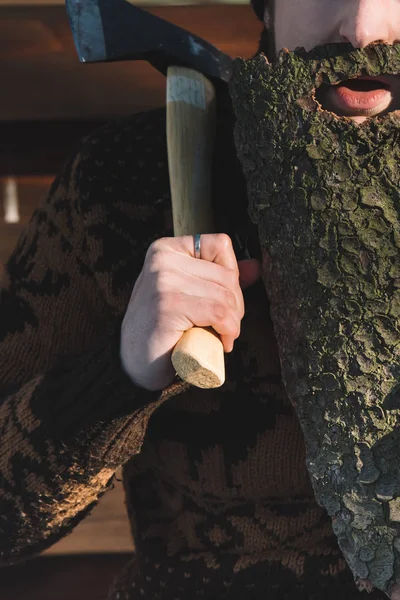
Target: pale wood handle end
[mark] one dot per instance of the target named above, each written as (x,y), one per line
(198,358)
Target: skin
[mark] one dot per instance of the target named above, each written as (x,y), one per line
(175,291)
(311,23)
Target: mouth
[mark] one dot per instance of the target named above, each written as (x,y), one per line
(359,97)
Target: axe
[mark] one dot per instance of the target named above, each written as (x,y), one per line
(115,30)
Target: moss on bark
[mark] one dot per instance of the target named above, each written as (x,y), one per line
(325,195)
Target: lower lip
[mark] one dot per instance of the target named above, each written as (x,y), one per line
(361,102)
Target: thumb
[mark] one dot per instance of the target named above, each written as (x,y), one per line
(249,272)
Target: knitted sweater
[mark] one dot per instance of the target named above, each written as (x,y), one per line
(217,491)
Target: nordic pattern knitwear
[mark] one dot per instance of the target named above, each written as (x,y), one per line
(218,496)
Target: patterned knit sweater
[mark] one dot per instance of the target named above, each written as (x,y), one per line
(217,491)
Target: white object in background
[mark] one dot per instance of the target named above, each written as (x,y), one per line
(10,201)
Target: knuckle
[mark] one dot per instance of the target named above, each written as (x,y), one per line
(157,248)
(153,249)
(223,241)
(158,244)
(220,311)
(229,298)
(224,319)
(159,260)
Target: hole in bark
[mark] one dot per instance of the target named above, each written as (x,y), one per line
(358,97)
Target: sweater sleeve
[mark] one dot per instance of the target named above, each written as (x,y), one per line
(69,416)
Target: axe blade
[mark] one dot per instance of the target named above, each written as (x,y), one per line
(115,30)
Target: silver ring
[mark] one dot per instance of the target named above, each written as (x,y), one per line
(197,244)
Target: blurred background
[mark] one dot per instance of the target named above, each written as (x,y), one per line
(48,102)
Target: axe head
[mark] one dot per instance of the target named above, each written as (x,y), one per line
(114,30)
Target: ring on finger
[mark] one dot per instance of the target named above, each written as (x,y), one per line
(197,245)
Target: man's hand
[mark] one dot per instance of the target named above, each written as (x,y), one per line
(174,292)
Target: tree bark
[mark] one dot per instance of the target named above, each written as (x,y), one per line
(325,195)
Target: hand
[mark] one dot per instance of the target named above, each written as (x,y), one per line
(174,292)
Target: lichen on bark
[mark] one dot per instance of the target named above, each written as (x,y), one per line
(325,195)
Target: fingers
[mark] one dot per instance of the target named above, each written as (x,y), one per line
(215,248)
(204,278)
(175,292)
(183,311)
(217,265)
(202,292)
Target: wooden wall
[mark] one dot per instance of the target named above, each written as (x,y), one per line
(42,79)
(49,100)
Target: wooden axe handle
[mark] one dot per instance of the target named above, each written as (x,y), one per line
(198,357)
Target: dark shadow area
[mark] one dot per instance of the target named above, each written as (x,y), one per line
(76,577)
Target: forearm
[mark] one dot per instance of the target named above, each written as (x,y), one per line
(63,435)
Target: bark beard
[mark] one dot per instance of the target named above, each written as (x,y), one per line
(325,195)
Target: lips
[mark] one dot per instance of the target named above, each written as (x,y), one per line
(363,96)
